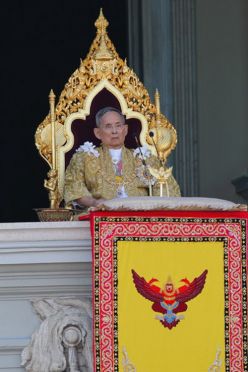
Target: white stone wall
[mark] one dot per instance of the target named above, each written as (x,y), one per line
(38,260)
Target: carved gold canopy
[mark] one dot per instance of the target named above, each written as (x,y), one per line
(102,79)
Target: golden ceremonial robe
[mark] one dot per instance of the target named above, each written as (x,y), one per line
(90,174)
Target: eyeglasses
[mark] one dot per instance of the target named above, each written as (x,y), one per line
(111,127)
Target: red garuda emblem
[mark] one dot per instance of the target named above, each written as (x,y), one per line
(169,301)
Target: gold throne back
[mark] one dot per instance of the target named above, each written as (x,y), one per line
(102,79)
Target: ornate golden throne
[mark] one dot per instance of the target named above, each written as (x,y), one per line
(102,79)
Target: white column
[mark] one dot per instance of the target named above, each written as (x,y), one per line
(150,50)
(185,95)
(162,52)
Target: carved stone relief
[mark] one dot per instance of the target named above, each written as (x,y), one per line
(63,343)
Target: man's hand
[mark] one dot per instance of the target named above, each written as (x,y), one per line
(89,201)
(99,202)
(98,205)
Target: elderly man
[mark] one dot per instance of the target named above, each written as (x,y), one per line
(110,171)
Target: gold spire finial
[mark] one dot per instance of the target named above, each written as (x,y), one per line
(52,115)
(51,95)
(157,102)
(101,23)
(102,52)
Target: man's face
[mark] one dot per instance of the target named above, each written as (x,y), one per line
(112,130)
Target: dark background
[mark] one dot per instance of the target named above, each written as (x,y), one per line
(41,46)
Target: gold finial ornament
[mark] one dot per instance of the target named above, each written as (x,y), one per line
(157,102)
(101,69)
(102,52)
(162,174)
(52,116)
(164,138)
(164,135)
(101,23)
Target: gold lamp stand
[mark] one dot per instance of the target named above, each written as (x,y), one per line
(54,213)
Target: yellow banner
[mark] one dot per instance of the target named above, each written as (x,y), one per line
(197,342)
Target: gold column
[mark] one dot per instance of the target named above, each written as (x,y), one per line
(53,137)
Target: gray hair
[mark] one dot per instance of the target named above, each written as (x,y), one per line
(104,111)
